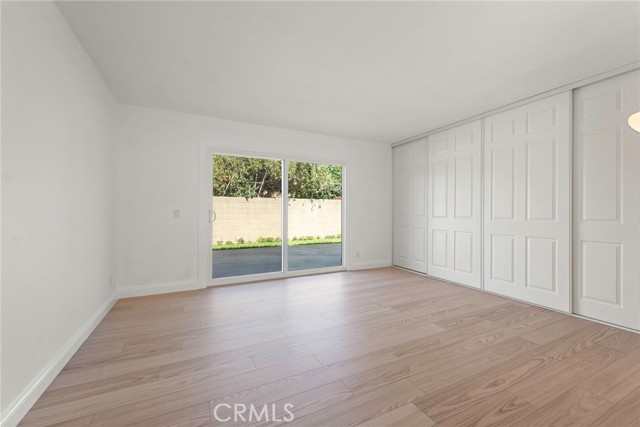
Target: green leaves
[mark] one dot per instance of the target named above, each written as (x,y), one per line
(247,177)
(314,181)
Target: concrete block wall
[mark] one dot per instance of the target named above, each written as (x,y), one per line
(237,217)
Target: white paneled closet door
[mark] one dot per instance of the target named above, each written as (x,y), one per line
(455,225)
(607,201)
(527,178)
(410,206)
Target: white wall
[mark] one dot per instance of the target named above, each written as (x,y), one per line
(58,197)
(157,172)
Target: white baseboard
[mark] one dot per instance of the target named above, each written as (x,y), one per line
(158,288)
(370,265)
(21,405)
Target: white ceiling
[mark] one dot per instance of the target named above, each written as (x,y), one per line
(379,71)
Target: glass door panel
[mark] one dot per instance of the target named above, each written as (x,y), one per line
(247,211)
(314,215)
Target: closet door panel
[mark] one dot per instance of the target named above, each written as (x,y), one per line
(527,202)
(455,225)
(607,201)
(410,206)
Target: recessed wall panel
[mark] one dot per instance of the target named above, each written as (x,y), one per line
(418,243)
(541,263)
(440,146)
(503,130)
(542,120)
(463,252)
(403,242)
(602,105)
(464,140)
(463,187)
(439,248)
(439,188)
(502,184)
(403,196)
(541,180)
(418,194)
(503,258)
(419,153)
(601,158)
(601,272)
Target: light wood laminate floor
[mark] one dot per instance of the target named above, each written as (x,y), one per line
(381,347)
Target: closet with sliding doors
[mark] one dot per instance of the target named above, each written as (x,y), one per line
(539,203)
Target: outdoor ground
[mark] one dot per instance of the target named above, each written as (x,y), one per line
(240,262)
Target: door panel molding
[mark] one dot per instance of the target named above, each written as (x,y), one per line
(455,223)
(606,222)
(410,178)
(527,202)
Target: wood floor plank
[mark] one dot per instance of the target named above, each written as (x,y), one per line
(262,386)
(501,409)
(575,407)
(376,347)
(481,313)
(68,378)
(181,392)
(446,402)
(625,413)
(405,416)
(556,330)
(575,342)
(563,375)
(185,397)
(144,376)
(210,334)
(621,340)
(297,384)
(362,408)
(193,416)
(456,367)
(303,404)
(77,422)
(214,353)
(616,380)
(403,319)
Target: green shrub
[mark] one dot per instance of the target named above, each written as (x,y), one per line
(228,242)
(240,240)
(219,242)
(268,239)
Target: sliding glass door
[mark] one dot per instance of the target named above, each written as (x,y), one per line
(251,217)
(314,215)
(247,216)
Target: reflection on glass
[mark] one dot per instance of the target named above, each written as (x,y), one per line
(315,215)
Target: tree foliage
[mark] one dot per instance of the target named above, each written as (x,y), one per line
(251,177)
(246,177)
(314,181)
